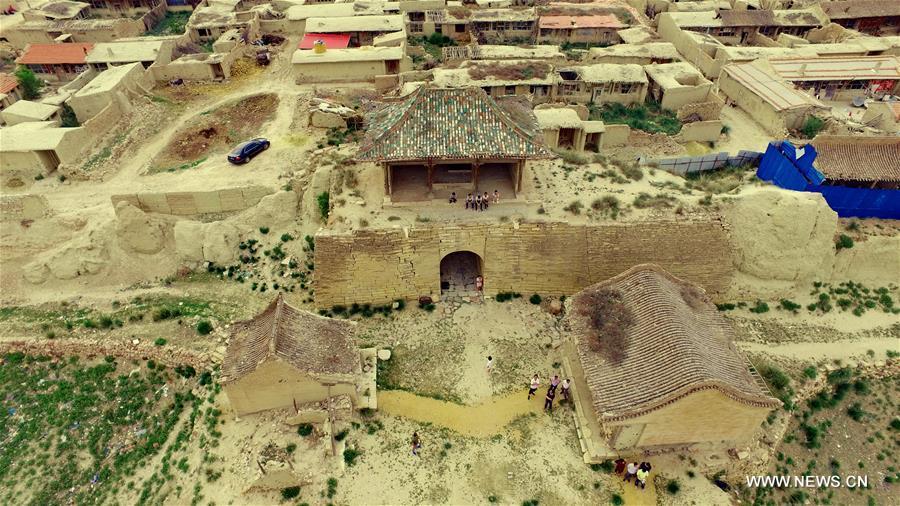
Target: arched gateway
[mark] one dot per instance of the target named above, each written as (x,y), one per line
(458,272)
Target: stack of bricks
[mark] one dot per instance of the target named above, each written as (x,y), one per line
(557,258)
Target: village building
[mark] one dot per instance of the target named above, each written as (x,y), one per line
(591,30)
(603,83)
(209,22)
(669,375)
(56,62)
(638,35)
(285,357)
(841,78)
(503,26)
(857,161)
(874,17)
(322,65)
(131,8)
(114,89)
(437,140)
(37,148)
(675,85)
(362,29)
(297,15)
(565,128)
(57,10)
(639,54)
(451,23)
(533,79)
(770,100)
(10,91)
(25,110)
(146,52)
(740,27)
(19,34)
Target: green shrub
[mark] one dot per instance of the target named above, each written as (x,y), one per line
(789,305)
(30,83)
(286,237)
(617,500)
(844,241)
(350,456)
(856,412)
(775,377)
(204,327)
(673,487)
(760,307)
(67,117)
(573,157)
(290,493)
(810,372)
(332,487)
(340,436)
(160,341)
(812,127)
(574,207)
(263,230)
(324,207)
(304,429)
(535,299)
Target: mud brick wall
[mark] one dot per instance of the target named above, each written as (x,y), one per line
(199,202)
(23,207)
(377,266)
(97,348)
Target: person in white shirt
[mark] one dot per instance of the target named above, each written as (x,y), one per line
(535,383)
(631,471)
(489,367)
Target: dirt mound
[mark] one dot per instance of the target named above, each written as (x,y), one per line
(219,130)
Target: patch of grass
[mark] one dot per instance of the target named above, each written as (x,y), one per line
(649,117)
(608,205)
(572,157)
(575,207)
(673,487)
(844,241)
(183,166)
(173,23)
(204,327)
(647,201)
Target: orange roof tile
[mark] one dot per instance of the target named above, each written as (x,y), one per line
(7,83)
(558,22)
(47,54)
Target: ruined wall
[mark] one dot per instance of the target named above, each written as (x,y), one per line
(96,348)
(23,207)
(547,258)
(701,131)
(615,135)
(193,203)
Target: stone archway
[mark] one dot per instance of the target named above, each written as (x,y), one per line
(458,272)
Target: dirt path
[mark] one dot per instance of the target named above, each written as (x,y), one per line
(635,496)
(844,350)
(481,420)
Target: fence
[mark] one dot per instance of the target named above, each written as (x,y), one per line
(782,167)
(712,161)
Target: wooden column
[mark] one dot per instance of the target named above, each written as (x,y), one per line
(388,175)
(430,178)
(475,166)
(520,166)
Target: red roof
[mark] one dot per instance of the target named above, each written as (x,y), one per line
(558,22)
(8,83)
(332,40)
(47,54)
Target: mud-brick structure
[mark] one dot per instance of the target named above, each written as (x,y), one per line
(286,358)
(661,370)
(437,140)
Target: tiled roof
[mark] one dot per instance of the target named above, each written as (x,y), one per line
(858,158)
(8,83)
(837,68)
(747,18)
(74,53)
(445,123)
(309,342)
(678,343)
(852,9)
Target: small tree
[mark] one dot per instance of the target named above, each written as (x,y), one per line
(812,127)
(69,120)
(31,85)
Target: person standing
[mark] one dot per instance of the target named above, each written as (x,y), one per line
(620,466)
(496,197)
(489,367)
(630,471)
(641,480)
(565,390)
(535,383)
(548,400)
(479,283)
(416,444)
(554,383)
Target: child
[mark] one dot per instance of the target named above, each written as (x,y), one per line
(477,206)
(535,383)
(489,367)
(630,471)
(554,383)
(469,201)
(620,466)
(416,444)
(452,197)
(548,400)
(486,200)
(565,389)
(641,480)
(496,197)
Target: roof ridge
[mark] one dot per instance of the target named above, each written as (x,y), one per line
(504,116)
(276,321)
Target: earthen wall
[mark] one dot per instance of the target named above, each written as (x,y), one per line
(558,258)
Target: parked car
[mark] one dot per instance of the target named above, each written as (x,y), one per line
(243,152)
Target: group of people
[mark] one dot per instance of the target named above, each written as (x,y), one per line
(551,392)
(478,202)
(639,472)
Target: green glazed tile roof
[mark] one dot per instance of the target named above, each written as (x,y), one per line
(459,123)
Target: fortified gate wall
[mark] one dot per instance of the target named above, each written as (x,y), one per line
(378,266)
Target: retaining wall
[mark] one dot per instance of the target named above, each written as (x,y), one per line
(378,266)
(199,202)
(91,348)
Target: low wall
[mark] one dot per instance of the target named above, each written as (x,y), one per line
(701,131)
(712,161)
(199,202)
(169,355)
(548,258)
(23,207)
(615,135)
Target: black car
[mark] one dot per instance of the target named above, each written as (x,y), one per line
(247,150)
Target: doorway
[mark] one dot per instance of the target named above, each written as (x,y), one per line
(458,272)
